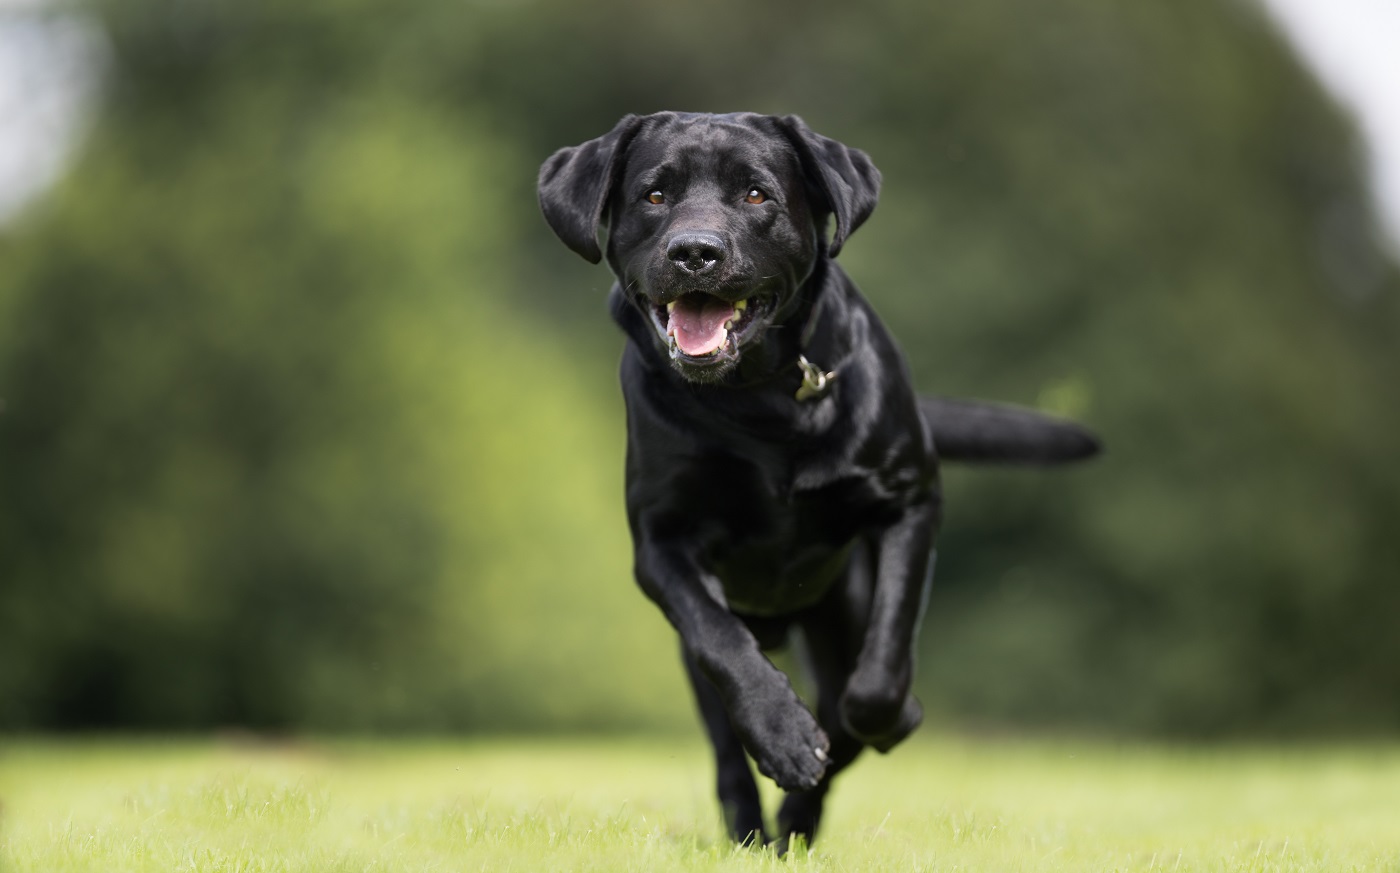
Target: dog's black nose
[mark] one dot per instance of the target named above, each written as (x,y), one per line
(695,251)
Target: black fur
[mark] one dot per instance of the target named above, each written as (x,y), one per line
(754,512)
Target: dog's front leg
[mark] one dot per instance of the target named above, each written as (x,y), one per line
(772,723)
(877,706)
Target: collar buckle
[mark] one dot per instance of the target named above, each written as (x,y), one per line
(814,381)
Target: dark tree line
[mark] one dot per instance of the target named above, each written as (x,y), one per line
(309,423)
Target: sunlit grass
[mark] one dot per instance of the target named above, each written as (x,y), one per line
(645,805)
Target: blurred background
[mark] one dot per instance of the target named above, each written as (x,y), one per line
(308,423)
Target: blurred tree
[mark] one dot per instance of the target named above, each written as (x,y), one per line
(309,422)
(276,450)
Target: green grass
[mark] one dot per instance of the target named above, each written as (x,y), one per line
(646,805)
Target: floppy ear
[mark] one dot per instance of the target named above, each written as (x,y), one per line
(845,175)
(575,183)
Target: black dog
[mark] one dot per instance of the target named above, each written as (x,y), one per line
(781,472)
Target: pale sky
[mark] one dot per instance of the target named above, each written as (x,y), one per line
(1354,47)
(48,73)
(49,63)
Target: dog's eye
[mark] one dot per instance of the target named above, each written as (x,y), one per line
(656,196)
(755,196)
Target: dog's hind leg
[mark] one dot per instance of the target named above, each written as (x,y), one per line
(831,638)
(738,793)
(801,811)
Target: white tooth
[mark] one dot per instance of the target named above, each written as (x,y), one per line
(670,307)
(739,307)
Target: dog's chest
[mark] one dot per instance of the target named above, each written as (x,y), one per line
(778,547)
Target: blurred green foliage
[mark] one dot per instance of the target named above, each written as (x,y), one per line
(308,421)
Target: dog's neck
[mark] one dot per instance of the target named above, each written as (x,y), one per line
(815,380)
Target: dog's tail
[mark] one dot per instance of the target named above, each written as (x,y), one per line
(996,433)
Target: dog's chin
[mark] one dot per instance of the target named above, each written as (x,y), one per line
(707,369)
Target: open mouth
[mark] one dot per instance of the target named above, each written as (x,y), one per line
(702,328)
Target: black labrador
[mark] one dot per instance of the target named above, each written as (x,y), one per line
(781,471)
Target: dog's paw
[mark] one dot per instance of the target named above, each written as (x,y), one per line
(880,719)
(787,745)
(799,816)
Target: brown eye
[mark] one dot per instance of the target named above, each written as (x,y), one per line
(755,196)
(656,196)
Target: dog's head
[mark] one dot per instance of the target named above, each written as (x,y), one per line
(713,222)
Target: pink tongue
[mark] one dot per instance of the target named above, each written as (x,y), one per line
(697,323)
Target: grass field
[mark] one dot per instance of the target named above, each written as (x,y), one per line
(646,805)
